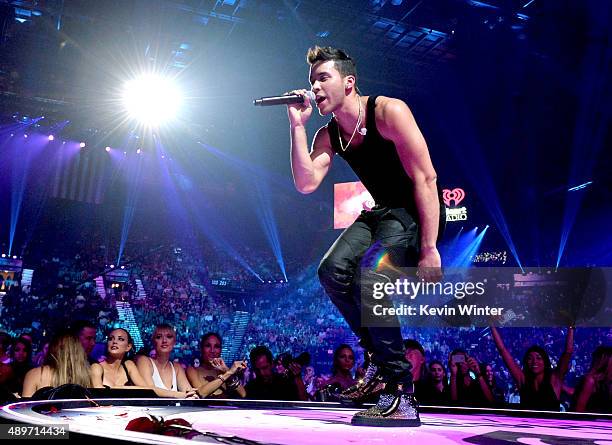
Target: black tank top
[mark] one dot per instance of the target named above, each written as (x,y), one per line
(542,399)
(377,164)
(127,375)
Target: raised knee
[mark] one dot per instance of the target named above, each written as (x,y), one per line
(334,275)
(325,270)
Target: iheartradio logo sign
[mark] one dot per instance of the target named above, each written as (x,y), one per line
(454,195)
(452,199)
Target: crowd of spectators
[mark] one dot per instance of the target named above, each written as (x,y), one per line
(287,319)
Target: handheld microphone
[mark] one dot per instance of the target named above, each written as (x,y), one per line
(283,100)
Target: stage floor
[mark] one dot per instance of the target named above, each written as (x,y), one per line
(247,422)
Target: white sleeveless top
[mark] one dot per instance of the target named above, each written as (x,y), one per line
(157,380)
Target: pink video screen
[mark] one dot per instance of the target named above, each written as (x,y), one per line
(350,199)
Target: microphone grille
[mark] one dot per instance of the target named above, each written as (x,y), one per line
(310,95)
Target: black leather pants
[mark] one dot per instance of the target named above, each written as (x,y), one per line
(352,259)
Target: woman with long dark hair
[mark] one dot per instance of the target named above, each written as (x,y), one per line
(437,390)
(117,370)
(211,367)
(594,393)
(342,367)
(467,385)
(21,363)
(539,384)
(486,371)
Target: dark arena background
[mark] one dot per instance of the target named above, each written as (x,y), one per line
(140,187)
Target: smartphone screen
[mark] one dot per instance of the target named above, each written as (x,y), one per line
(458,358)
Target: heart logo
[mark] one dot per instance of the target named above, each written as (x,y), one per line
(456,195)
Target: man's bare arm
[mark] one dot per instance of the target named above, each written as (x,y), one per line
(309,169)
(398,125)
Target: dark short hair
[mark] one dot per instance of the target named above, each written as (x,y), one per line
(79,325)
(129,336)
(257,352)
(437,362)
(342,61)
(207,336)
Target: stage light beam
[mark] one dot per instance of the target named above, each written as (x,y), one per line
(152,99)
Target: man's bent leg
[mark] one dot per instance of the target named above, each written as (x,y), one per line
(338,270)
(398,241)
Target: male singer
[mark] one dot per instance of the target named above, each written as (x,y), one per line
(381,141)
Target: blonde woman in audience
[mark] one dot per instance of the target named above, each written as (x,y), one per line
(161,372)
(65,363)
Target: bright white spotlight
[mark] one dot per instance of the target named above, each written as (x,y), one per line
(82,145)
(152,99)
(107,149)
(51,137)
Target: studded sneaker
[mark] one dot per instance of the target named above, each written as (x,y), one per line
(367,388)
(392,410)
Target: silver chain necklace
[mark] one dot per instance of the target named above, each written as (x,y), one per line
(354,130)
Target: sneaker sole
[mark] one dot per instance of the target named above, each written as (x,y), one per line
(350,403)
(385,422)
